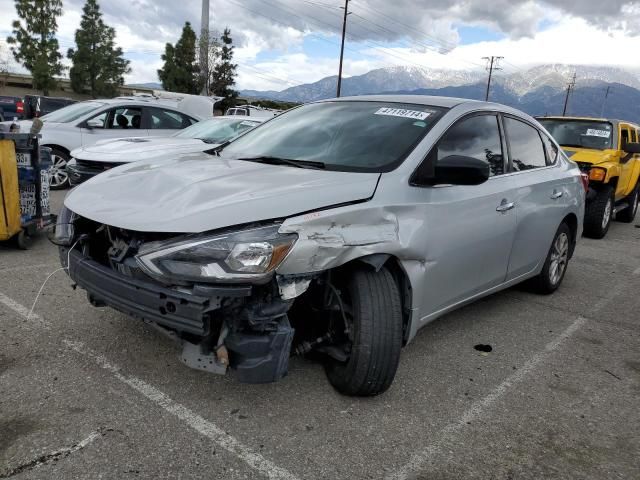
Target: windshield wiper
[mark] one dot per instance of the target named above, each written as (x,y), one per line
(285,161)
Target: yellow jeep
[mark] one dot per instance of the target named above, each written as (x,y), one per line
(609,152)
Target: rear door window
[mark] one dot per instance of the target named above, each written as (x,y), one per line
(525,144)
(163,119)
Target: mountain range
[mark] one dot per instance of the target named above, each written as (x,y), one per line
(538,90)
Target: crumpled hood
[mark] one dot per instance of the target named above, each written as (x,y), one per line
(198,192)
(585,155)
(124,150)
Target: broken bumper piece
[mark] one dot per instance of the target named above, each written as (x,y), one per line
(259,356)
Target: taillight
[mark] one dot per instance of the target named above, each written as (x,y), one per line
(19,107)
(585,180)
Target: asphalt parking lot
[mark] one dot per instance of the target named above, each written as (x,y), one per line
(90,393)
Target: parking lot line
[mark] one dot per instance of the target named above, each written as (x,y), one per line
(476,410)
(187,416)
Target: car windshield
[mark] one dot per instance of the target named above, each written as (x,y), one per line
(339,135)
(72,112)
(580,133)
(217,130)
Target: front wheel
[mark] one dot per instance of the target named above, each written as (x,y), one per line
(59,179)
(629,214)
(375,334)
(555,266)
(599,213)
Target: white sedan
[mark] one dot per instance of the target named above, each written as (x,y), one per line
(89,161)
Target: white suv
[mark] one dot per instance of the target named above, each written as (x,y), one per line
(85,123)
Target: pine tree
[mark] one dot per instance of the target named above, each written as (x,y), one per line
(180,72)
(34,43)
(223,74)
(98,66)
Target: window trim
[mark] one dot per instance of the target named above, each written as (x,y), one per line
(544,148)
(476,113)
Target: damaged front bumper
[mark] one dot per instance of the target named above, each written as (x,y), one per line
(256,336)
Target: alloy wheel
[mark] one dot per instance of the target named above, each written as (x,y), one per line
(559,258)
(58,172)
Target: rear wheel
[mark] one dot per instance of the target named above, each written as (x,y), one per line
(597,219)
(629,214)
(374,330)
(59,177)
(555,266)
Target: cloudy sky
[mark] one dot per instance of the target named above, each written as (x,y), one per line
(281,43)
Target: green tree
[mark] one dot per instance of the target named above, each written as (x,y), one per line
(34,44)
(224,72)
(180,72)
(98,65)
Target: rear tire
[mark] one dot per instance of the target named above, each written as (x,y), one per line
(629,214)
(377,335)
(23,240)
(597,219)
(555,266)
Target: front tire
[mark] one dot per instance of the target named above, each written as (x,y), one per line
(597,219)
(59,179)
(555,266)
(376,335)
(628,215)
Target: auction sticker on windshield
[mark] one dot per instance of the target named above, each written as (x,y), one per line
(401,112)
(592,132)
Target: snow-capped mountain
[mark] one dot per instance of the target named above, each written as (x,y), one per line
(557,76)
(393,79)
(376,81)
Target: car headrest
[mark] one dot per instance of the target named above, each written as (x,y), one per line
(123,121)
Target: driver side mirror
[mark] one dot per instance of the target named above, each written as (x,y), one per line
(461,170)
(632,147)
(94,123)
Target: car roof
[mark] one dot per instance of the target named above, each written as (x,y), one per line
(615,121)
(433,101)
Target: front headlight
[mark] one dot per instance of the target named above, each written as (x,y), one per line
(248,255)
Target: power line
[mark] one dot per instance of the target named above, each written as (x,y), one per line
(492,64)
(444,43)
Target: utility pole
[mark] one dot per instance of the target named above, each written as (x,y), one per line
(204,47)
(604,102)
(492,64)
(344,34)
(570,86)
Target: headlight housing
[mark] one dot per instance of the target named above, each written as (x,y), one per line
(65,230)
(242,256)
(597,174)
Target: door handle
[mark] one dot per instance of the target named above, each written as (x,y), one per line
(556,194)
(505,206)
